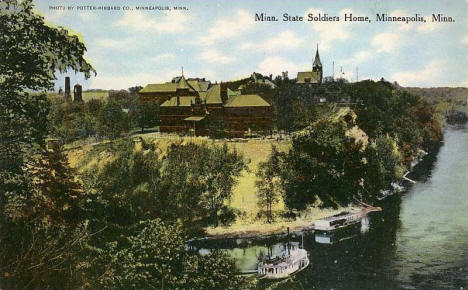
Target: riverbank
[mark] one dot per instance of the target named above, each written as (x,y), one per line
(248,228)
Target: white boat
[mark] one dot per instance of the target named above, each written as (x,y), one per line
(287,263)
(343,219)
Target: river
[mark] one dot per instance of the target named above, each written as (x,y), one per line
(418,241)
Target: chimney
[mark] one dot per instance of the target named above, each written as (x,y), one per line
(178,101)
(223,92)
(67,88)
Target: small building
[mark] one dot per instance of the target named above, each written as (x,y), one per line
(315,76)
(256,78)
(245,113)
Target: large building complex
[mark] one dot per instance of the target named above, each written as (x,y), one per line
(198,105)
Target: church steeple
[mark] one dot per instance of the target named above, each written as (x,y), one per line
(317,66)
(317,63)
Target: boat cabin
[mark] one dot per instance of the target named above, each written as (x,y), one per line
(287,263)
(337,221)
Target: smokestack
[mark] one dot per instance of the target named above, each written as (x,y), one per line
(67,88)
(333,75)
(77,93)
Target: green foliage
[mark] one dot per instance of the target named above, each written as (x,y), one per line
(39,200)
(134,90)
(112,120)
(38,256)
(69,120)
(263,90)
(190,183)
(408,119)
(125,98)
(325,164)
(127,188)
(221,170)
(268,184)
(383,166)
(451,95)
(155,257)
(53,234)
(201,178)
(133,192)
(147,115)
(31,52)
(43,225)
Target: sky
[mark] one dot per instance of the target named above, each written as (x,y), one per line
(221,41)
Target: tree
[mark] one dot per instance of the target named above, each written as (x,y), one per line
(324,164)
(222,168)
(128,187)
(36,242)
(134,90)
(383,166)
(124,98)
(44,226)
(269,187)
(142,262)
(183,171)
(199,179)
(147,115)
(113,121)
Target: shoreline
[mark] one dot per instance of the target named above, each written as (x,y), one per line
(258,229)
(261,229)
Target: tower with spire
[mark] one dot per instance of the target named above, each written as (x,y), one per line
(317,65)
(314,76)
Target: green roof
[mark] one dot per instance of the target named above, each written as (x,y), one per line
(246,101)
(171,87)
(195,85)
(183,84)
(231,93)
(308,77)
(195,118)
(184,102)
(159,88)
(202,95)
(213,95)
(204,85)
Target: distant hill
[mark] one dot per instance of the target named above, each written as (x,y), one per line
(457,95)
